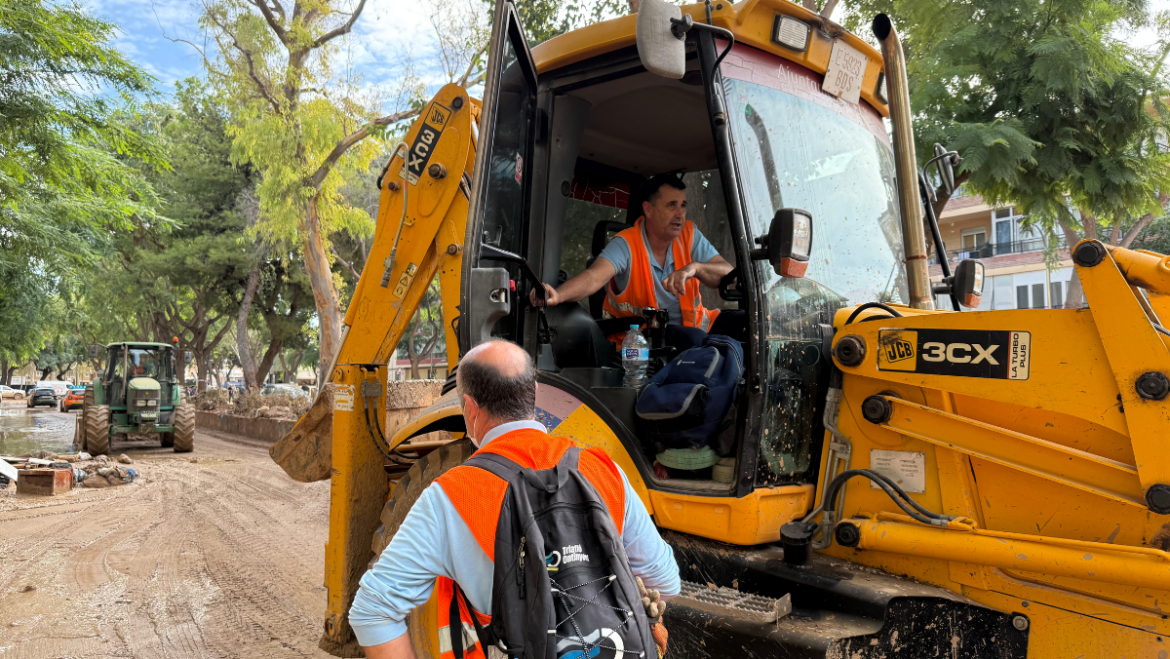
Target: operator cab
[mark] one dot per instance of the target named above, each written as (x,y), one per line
(751,135)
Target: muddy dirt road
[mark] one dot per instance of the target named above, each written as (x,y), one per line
(222,557)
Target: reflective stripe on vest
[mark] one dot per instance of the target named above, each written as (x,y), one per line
(639,291)
(478,497)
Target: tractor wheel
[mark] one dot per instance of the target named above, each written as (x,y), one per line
(97,429)
(184,436)
(406,492)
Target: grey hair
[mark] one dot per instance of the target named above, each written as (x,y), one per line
(504,397)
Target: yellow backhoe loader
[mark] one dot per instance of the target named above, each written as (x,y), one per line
(903,482)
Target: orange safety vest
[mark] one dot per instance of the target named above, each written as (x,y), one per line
(639,291)
(478,497)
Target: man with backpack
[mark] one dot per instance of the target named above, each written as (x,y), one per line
(545,538)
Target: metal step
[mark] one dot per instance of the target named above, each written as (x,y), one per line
(731,602)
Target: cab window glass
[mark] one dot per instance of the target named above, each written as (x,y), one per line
(509,163)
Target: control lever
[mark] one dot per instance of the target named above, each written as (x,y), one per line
(493,253)
(656,326)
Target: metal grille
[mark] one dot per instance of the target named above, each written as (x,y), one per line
(728,601)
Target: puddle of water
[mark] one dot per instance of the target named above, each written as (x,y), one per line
(23,430)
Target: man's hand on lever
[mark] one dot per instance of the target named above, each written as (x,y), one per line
(551,298)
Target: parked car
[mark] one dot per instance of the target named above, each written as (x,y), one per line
(59,387)
(9,392)
(287,389)
(75,399)
(42,395)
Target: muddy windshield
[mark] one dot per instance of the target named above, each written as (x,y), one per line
(798,147)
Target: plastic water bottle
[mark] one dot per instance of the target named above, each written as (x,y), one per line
(635,358)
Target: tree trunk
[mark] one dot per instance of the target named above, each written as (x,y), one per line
(201,364)
(1076,294)
(324,294)
(61,373)
(45,372)
(5,373)
(266,362)
(243,350)
(411,351)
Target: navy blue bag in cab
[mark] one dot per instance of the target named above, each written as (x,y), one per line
(685,403)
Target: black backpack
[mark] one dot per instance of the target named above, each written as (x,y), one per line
(562,587)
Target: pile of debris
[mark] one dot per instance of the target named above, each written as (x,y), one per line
(45,473)
(252,404)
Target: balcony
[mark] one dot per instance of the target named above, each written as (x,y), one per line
(988,250)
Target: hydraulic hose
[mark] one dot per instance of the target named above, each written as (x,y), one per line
(872,305)
(908,505)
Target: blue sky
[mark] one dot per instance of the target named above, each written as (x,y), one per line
(148,30)
(387,30)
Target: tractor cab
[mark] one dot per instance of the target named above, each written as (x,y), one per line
(754,129)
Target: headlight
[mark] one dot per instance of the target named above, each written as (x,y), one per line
(152,403)
(141,403)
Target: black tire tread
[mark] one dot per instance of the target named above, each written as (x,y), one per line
(97,429)
(410,487)
(183,440)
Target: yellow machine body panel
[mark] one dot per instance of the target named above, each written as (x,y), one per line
(1046,462)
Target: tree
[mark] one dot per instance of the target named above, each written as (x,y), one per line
(424,335)
(302,126)
(1050,112)
(64,141)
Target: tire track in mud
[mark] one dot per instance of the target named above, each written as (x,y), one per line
(218,558)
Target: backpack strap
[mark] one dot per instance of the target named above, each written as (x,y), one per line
(509,471)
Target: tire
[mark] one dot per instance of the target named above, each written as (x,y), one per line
(97,429)
(184,436)
(406,493)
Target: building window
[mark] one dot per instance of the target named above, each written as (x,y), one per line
(1021,297)
(1057,295)
(1037,296)
(1002,293)
(973,239)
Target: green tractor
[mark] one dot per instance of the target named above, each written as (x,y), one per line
(138,392)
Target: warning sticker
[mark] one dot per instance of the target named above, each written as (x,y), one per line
(906,468)
(343,398)
(424,143)
(999,354)
(404,280)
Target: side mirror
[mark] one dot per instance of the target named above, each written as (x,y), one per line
(947,161)
(788,244)
(966,283)
(94,351)
(662,51)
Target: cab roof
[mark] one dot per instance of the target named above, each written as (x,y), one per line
(139,344)
(750,21)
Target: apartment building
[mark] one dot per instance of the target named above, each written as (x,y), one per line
(1016,276)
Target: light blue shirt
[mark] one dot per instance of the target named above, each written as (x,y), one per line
(434,541)
(617,252)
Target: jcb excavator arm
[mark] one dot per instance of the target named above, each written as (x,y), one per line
(342,436)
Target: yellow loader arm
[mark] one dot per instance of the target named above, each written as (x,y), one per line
(343,436)
(408,250)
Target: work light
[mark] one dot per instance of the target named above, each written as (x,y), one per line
(791,33)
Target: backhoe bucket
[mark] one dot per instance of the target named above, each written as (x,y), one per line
(306,452)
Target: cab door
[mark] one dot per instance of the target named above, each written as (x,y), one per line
(500,204)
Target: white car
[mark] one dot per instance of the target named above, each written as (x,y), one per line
(9,392)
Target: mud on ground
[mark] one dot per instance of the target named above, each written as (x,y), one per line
(222,557)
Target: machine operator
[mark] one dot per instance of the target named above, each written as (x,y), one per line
(659,262)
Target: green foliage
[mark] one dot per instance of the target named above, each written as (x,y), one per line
(1044,104)
(22,312)
(65,96)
